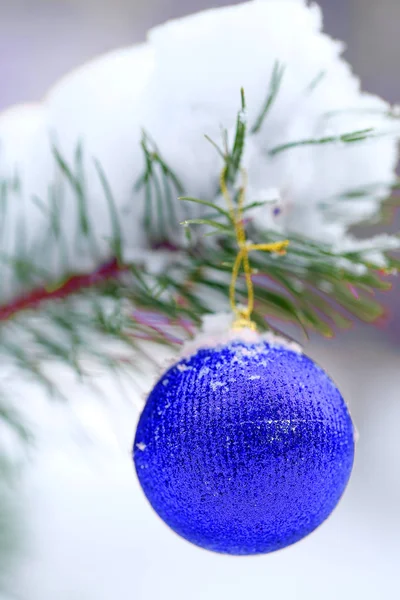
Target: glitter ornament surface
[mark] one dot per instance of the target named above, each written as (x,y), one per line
(244,448)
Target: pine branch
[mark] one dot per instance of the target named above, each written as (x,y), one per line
(104,315)
(316,81)
(345,138)
(274,87)
(232,157)
(161,186)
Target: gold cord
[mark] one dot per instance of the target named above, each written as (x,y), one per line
(243,314)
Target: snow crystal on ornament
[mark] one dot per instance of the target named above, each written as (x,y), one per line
(216,329)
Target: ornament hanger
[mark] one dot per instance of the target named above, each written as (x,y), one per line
(243,314)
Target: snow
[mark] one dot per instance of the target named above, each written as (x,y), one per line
(185,82)
(243,43)
(216,329)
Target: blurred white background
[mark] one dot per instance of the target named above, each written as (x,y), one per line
(89,532)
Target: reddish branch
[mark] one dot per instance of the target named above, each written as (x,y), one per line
(72,285)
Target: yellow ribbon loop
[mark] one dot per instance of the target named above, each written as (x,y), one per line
(243,314)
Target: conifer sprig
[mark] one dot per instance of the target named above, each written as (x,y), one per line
(102,317)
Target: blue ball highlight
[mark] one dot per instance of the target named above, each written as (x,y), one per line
(245,448)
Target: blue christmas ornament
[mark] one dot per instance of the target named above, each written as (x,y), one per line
(244,448)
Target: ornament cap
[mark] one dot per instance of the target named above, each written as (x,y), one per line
(221,328)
